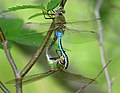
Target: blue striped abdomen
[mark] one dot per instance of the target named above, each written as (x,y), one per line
(59,36)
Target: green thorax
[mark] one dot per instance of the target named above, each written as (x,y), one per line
(59,23)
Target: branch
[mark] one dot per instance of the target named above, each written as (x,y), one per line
(97,14)
(4,89)
(11,61)
(38,52)
(8,54)
(84,86)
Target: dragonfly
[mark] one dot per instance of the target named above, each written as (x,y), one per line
(63,31)
(57,66)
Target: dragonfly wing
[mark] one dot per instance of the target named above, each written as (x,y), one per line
(81,31)
(77,36)
(30,39)
(36,77)
(40,27)
(32,78)
(68,76)
(86,24)
(35,36)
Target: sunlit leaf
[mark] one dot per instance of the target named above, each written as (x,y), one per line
(52,4)
(35,15)
(41,7)
(14,32)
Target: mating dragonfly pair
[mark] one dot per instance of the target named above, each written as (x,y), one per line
(60,28)
(59,63)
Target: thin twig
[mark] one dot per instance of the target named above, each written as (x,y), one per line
(4,89)
(84,86)
(8,54)
(11,61)
(97,14)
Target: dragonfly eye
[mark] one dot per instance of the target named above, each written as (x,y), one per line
(61,12)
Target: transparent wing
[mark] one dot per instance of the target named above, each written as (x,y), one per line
(30,39)
(75,32)
(88,24)
(36,77)
(77,36)
(83,24)
(81,31)
(69,76)
(36,34)
(40,27)
(33,78)
(61,74)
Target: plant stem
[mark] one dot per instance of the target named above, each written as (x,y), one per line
(11,61)
(19,86)
(38,52)
(8,54)
(97,14)
(4,89)
(84,86)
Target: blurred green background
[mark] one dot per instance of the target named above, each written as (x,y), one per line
(84,58)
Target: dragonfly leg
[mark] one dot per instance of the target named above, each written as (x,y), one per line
(50,15)
(54,58)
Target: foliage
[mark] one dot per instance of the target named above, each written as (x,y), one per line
(52,4)
(81,56)
(35,15)
(14,32)
(22,36)
(41,7)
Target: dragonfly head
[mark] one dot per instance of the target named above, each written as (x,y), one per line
(60,11)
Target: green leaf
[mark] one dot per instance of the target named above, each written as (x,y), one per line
(52,4)
(14,32)
(30,38)
(35,15)
(41,7)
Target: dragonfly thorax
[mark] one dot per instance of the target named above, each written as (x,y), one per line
(60,23)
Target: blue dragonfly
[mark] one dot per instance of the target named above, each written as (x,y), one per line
(63,31)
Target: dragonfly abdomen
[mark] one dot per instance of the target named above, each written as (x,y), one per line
(59,36)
